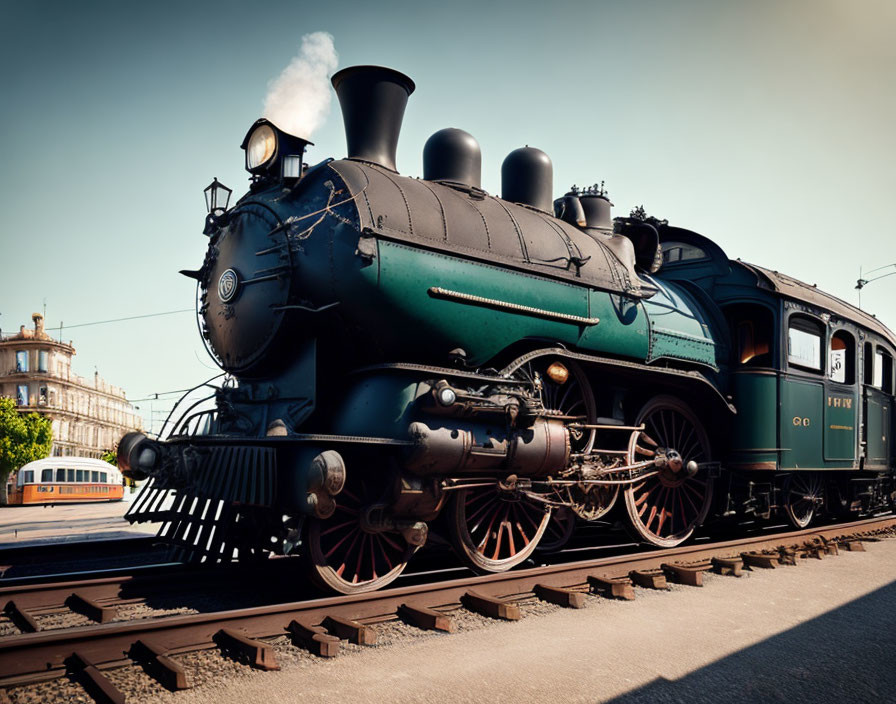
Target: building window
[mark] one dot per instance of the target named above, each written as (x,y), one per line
(42,399)
(42,360)
(22,394)
(22,361)
(804,338)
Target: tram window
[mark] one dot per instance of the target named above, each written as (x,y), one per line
(883,371)
(46,475)
(94,477)
(28,477)
(804,337)
(60,475)
(71,474)
(104,478)
(842,359)
(79,474)
(868,376)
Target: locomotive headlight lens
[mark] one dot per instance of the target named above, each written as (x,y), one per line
(261,147)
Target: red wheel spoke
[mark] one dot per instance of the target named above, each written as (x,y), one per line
(386,552)
(336,527)
(481,546)
(649,440)
(333,549)
(385,538)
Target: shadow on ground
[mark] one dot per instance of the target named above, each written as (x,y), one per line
(844,655)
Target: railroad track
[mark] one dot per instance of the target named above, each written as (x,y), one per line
(17,561)
(320,624)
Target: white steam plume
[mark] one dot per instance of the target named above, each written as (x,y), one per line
(298,100)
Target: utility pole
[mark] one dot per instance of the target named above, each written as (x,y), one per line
(861,282)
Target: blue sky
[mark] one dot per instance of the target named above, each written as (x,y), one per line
(767,126)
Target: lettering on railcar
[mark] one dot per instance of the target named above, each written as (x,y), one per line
(839,402)
(797,421)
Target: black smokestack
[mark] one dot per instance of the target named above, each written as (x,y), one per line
(373,99)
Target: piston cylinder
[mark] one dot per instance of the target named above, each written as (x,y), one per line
(535,451)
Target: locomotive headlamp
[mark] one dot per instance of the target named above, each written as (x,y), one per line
(272,152)
(217,196)
(261,146)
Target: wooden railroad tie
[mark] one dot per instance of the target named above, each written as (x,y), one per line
(731,566)
(814,550)
(90,608)
(154,657)
(789,556)
(426,619)
(612,587)
(94,682)
(649,579)
(349,630)
(314,638)
(260,655)
(567,598)
(758,559)
(852,545)
(23,620)
(491,606)
(691,575)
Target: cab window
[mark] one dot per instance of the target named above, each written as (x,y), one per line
(751,328)
(680,252)
(804,343)
(842,358)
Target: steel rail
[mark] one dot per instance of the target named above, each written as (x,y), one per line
(39,656)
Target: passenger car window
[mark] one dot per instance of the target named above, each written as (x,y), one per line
(883,371)
(804,338)
(842,358)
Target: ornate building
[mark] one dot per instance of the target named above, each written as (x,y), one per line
(89,415)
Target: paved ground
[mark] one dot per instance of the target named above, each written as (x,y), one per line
(26,525)
(824,631)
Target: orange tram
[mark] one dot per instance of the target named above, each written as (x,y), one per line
(62,479)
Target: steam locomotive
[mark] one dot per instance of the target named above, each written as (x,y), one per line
(407,355)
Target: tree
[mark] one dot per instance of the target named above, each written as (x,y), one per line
(23,439)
